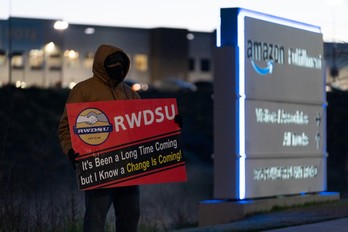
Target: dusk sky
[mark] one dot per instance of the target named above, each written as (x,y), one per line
(194,15)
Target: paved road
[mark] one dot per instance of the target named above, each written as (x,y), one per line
(338,225)
(328,217)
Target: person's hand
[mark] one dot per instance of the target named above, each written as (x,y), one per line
(72,155)
(178,120)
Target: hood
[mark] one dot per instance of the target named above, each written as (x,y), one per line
(102,52)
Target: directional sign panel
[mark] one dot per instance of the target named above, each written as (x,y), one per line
(284,176)
(274,129)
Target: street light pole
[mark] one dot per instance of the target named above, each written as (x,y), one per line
(61,26)
(9,44)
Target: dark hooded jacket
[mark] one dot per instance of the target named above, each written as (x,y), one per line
(97,88)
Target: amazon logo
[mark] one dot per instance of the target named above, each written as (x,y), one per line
(263,56)
(263,70)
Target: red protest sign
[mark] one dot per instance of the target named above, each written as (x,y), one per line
(126,142)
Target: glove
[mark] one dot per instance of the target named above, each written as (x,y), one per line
(72,157)
(178,120)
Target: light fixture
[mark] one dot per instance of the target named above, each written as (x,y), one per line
(61,25)
(190,36)
(89,30)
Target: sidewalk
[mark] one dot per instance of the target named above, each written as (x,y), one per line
(331,216)
(338,225)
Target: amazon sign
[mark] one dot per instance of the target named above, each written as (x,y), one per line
(270,120)
(285,59)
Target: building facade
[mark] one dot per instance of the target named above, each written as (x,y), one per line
(35,53)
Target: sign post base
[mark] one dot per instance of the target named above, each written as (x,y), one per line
(213,212)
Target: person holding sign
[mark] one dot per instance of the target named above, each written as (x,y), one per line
(110,67)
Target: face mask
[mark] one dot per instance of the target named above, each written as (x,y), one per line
(115,73)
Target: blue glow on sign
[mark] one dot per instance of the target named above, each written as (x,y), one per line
(218,35)
(241,107)
(241,80)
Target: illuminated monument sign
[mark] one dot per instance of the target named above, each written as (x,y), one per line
(270,107)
